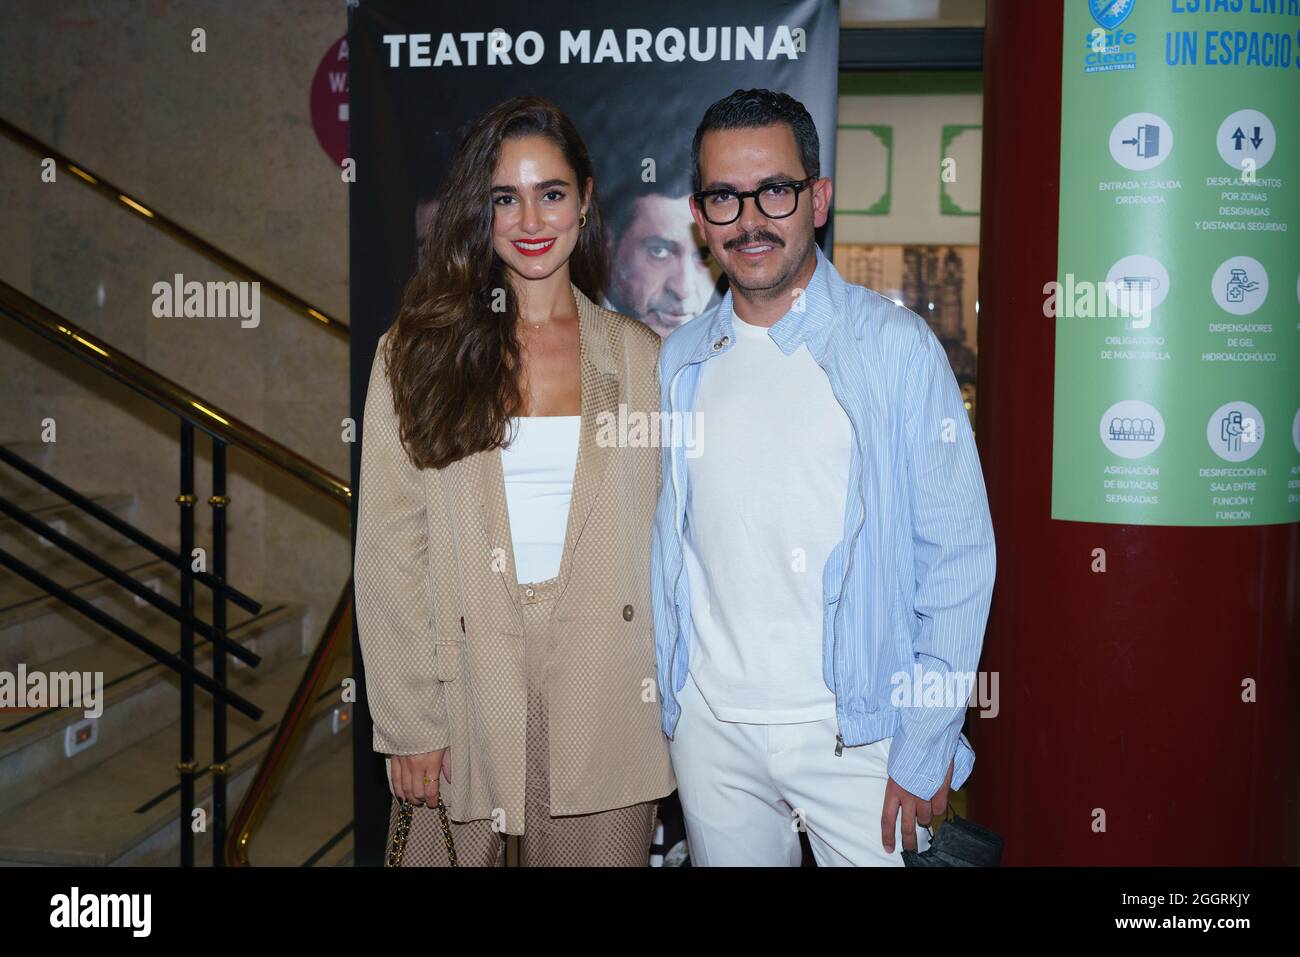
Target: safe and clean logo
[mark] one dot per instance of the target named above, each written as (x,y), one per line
(1107,47)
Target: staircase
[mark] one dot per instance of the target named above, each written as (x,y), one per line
(109,790)
(100,792)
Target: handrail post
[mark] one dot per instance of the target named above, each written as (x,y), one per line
(220,767)
(186,766)
(193,413)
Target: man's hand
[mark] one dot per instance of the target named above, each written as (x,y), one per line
(915,810)
(415,776)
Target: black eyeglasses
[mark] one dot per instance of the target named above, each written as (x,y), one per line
(775,201)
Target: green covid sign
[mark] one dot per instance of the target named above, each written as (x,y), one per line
(1177,299)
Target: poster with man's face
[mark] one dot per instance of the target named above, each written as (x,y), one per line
(660,269)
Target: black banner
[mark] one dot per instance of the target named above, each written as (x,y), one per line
(636,81)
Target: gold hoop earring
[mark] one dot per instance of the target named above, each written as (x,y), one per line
(582,220)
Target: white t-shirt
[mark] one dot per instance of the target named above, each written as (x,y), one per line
(538,468)
(764,509)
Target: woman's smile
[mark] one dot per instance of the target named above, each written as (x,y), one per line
(533,247)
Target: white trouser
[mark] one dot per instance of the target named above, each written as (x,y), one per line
(747,789)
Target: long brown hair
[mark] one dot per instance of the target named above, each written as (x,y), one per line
(453,361)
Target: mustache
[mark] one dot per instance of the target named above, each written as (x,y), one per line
(665,303)
(750,239)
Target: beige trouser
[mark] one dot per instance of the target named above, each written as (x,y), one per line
(616,838)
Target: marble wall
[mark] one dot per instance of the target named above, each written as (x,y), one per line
(222,142)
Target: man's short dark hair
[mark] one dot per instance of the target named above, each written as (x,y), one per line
(623,186)
(749,109)
(620,209)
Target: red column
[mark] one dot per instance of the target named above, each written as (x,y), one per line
(1119,692)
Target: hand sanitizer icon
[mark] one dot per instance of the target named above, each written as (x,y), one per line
(1238,285)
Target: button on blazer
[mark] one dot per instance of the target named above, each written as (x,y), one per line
(437,603)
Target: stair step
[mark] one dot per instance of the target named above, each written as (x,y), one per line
(140,696)
(65,518)
(46,505)
(309,821)
(18,595)
(36,627)
(318,742)
(124,810)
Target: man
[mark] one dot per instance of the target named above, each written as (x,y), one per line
(659,270)
(828,553)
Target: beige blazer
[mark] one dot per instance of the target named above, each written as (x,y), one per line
(441,632)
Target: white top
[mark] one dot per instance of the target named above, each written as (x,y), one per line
(765,508)
(539,464)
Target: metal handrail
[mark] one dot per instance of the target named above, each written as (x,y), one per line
(288,733)
(222,426)
(145,211)
(125,529)
(105,620)
(129,582)
(172,396)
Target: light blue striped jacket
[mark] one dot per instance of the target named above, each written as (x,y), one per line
(907,590)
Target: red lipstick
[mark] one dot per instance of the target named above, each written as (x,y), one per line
(534,247)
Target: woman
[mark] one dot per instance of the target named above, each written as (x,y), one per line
(503,539)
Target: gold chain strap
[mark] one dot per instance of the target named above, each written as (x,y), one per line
(397,848)
(446,834)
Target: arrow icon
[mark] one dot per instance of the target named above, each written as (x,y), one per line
(1238,135)
(1256,139)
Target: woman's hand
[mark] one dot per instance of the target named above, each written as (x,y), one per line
(415,776)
